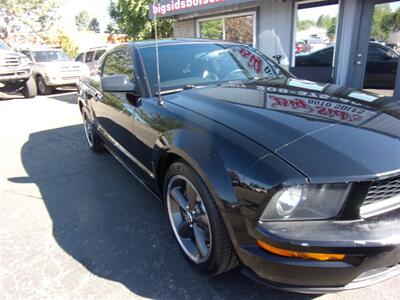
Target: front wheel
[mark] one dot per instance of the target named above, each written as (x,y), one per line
(196,221)
(29,90)
(42,87)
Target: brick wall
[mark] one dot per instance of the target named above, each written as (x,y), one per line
(185,28)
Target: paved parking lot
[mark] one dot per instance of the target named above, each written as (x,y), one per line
(76,225)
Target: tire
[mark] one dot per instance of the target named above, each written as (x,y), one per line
(42,87)
(212,254)
(29,90)
(92,138)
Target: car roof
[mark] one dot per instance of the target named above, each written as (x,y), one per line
(38,48)
(163,42)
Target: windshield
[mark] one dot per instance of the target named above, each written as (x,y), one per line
(3,46)
(53,55)
(200,64)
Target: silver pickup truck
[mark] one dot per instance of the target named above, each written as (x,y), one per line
(53,68)
(15,73)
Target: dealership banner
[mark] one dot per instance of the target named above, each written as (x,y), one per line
(164,8)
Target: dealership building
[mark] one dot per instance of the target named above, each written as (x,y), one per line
(284,29)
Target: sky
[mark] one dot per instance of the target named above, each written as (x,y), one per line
(96,8)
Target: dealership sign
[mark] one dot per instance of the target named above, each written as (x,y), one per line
(164,8)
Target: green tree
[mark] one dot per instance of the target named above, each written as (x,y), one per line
(37,15)
(82,20)
(112,28)
(131,17)
(324,21)
(331,29)
(211,29)
(397,20)
(94,25)
(305,24)
(63,40)
(384,21)
(67,44)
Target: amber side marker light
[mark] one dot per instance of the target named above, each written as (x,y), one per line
(297,254)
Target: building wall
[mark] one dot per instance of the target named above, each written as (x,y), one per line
(185,28)
(275,27)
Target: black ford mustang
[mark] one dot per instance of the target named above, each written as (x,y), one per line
(299,182)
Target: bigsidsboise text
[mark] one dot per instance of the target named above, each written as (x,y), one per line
(174,5)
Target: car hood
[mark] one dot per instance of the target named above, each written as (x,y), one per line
(328,132)
(4,52)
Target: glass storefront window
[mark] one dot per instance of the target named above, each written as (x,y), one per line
(236,28)
(315,39)
(240,29)
(383,49)
(212,29)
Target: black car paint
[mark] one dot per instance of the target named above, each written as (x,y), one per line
(245,152)
(380,71)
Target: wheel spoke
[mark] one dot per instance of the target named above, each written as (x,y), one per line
(200,240)
(202,221)
(179,198)
(191,194)
(185,231)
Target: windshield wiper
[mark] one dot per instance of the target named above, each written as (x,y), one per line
(185,87)
(172,91)
(262,79)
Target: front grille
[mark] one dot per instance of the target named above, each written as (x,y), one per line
(70,78)
(382,190)
(382,196)
(69,69)
(10,61)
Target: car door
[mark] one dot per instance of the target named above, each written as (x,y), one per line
(381,67)
(114,113)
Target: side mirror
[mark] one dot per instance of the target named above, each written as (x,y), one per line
(117,83)
(388,56)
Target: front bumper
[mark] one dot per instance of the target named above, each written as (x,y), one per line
(70,79)
(14,74)
(372,249)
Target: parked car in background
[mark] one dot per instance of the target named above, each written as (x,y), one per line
(302,47)
(254,166)
(91,56)
(15,72)
(53,68)
(380,70)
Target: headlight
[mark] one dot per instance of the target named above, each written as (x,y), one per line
(84,70)
(306,202)
(25,61)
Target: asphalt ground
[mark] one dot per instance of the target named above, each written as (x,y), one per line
(76,225)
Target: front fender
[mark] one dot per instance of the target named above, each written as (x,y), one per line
(197,150)
(221,157)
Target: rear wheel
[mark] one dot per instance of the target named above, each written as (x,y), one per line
(29,90)
(196,221)
(91,135)
(42,87)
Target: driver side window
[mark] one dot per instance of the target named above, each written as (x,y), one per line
(118,63)
(376,53)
